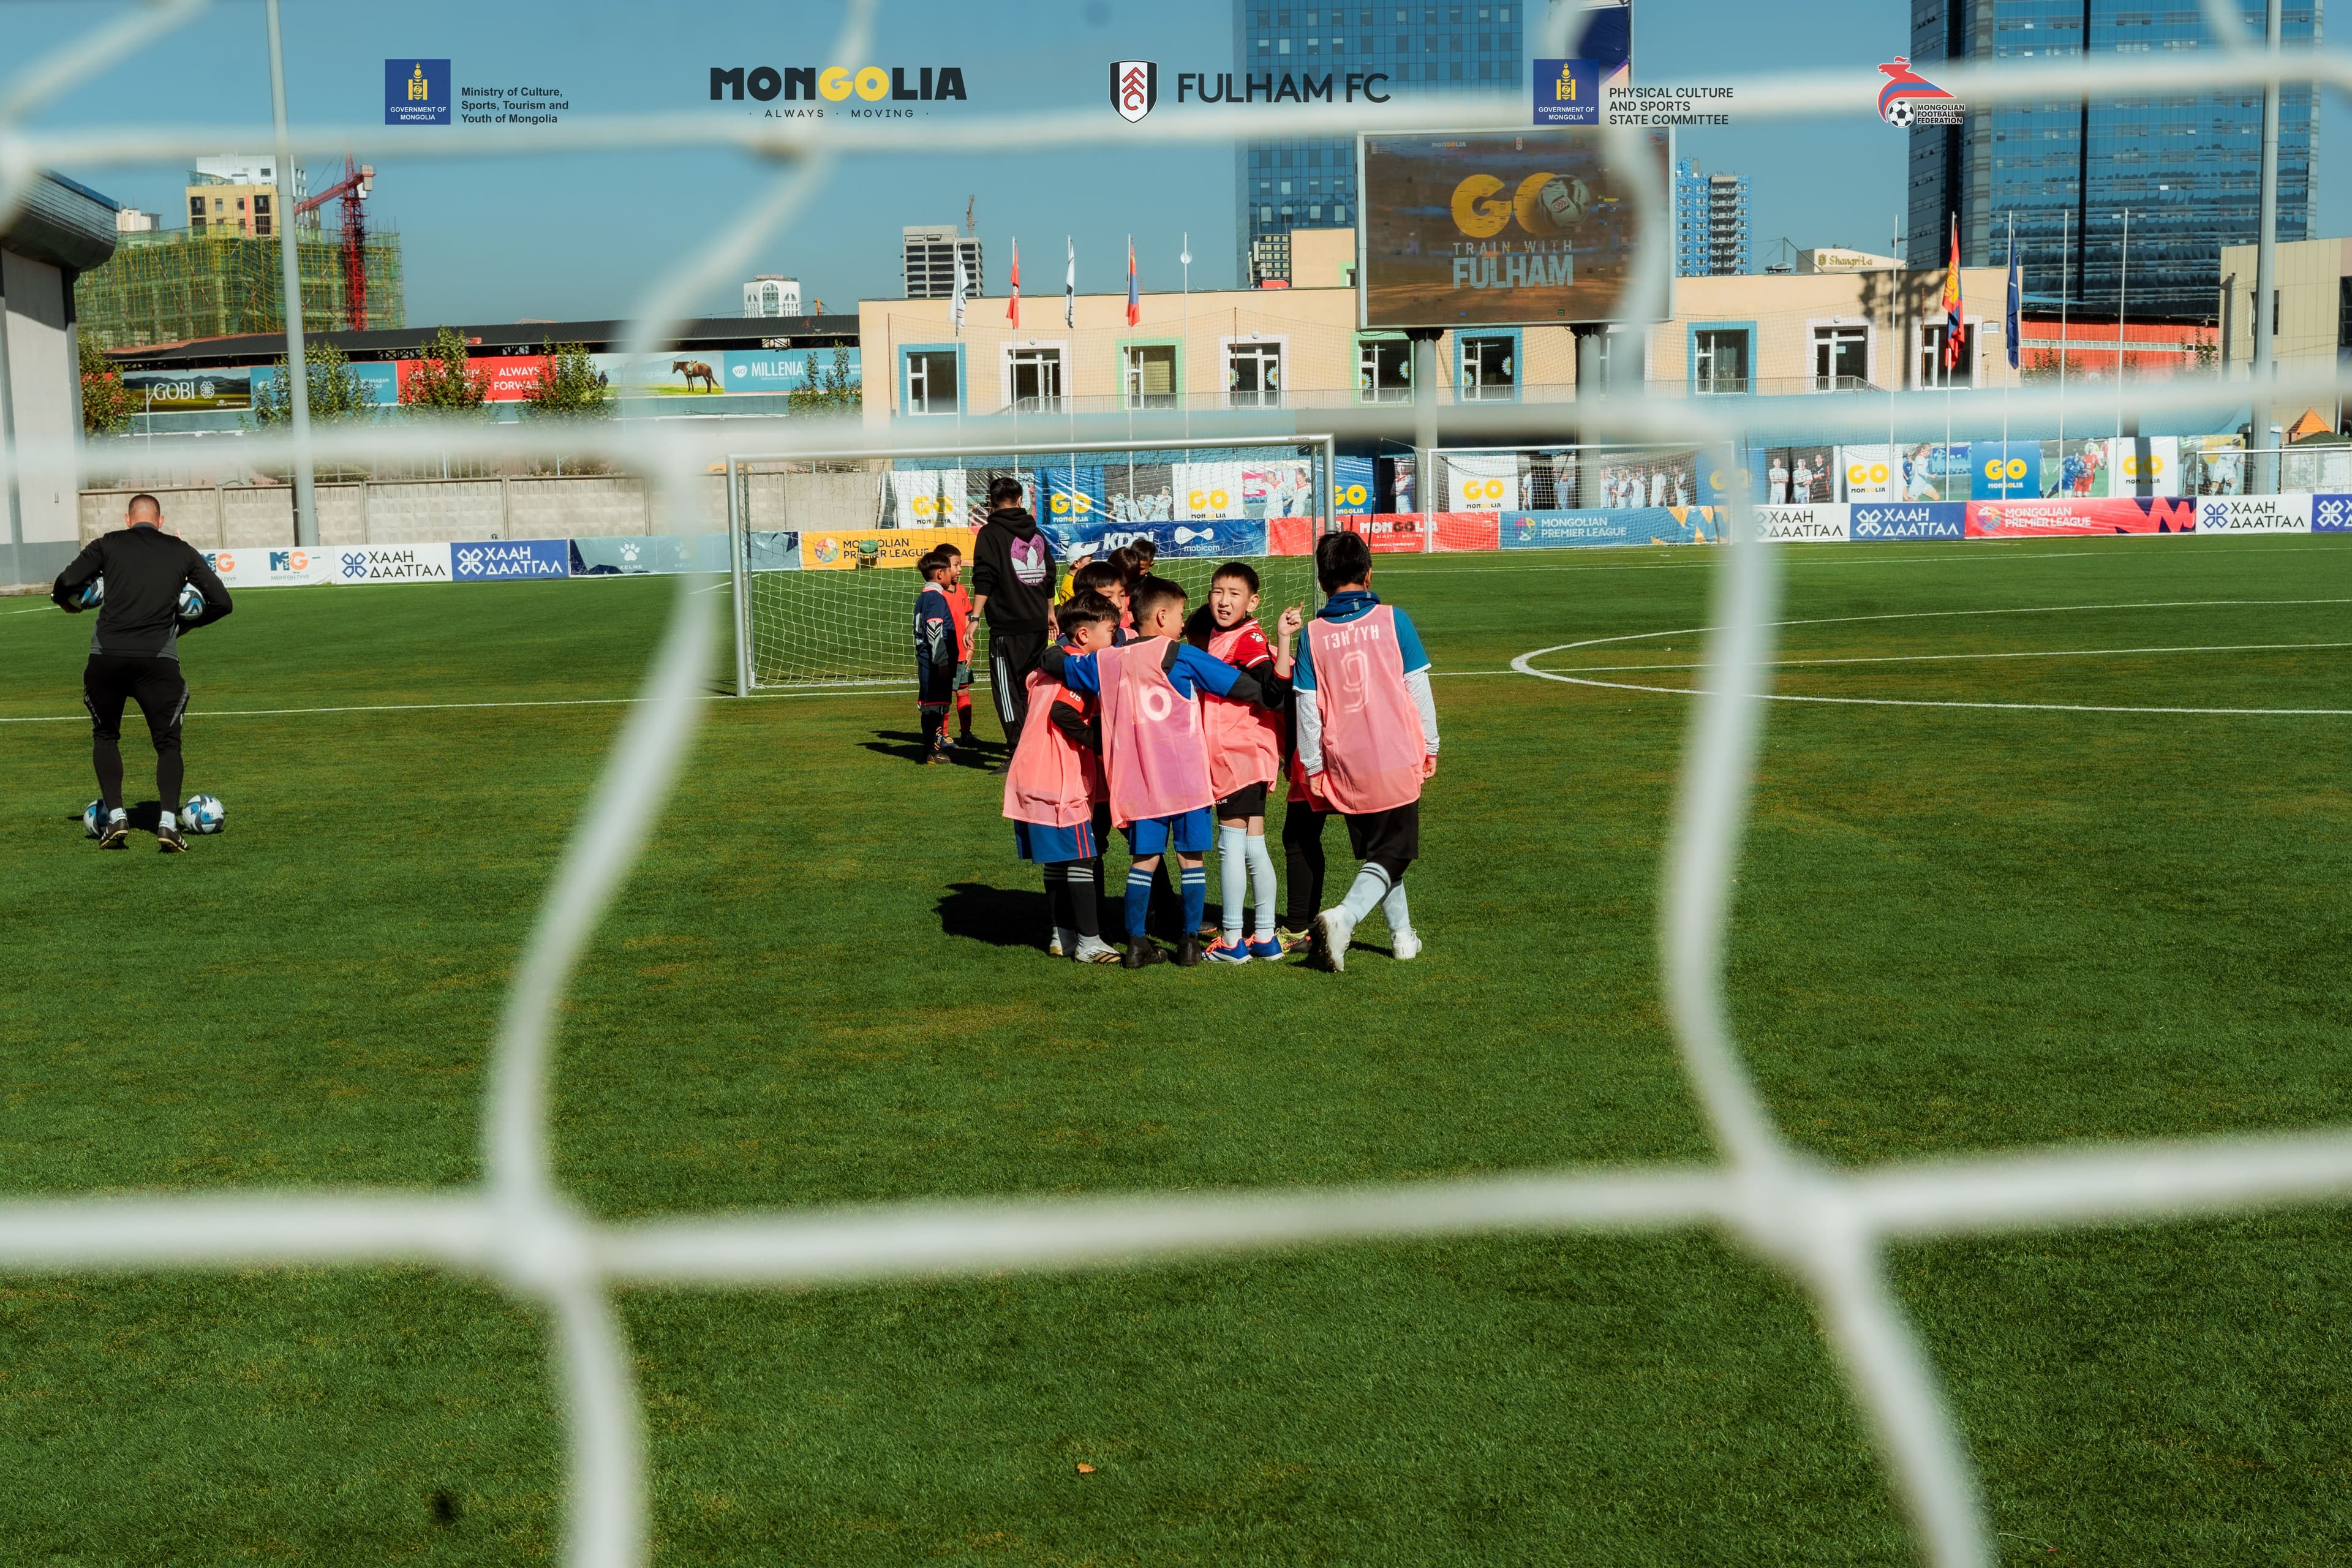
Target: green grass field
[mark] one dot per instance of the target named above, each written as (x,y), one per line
(1957,927)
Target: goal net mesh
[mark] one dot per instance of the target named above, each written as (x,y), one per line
(827,595)
(1827,1228)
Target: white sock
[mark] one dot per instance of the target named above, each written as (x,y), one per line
(1261,868)
(118,814)
(1065,937)
(1233,877)
(1371,886)
(1399,917)
(167,822)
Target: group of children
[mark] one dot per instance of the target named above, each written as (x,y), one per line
(1173,727)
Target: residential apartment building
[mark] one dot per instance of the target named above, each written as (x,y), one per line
(1308,182)
(241,191)
(931,259)
(2178,172)
(1711,227)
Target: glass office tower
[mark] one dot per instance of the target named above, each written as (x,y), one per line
(1311,183)
(2186,166)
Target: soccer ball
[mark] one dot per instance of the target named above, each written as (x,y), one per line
(92,595)
(192,602)
(89,818)
(202,814)
(1898,112)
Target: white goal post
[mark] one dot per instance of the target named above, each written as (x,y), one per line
(822,545)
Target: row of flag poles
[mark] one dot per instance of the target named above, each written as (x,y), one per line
(1955,327)
(1069,287)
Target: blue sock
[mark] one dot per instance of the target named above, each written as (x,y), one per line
(1138,900)
(1196,895)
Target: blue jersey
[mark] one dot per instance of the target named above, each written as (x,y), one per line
(1347,607)
(935,638)
(1193,673)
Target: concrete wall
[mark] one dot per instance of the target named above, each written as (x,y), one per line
(410,512)
(45,403)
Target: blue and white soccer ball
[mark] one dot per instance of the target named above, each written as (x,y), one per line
(192,602)
(89,818)
(92,595)
(202,814)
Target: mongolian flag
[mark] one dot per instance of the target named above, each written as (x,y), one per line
(1134,299)
(1954,330)
(1012,311)
(2016,294)
(1070,285)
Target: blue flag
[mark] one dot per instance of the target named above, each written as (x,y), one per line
(2016,295)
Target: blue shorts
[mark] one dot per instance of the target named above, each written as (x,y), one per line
(1188,833)
(1042,843)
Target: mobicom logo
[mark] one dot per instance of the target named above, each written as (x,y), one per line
(838,84)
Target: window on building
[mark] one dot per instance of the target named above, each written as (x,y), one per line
(931,382)
(261,204)
(1931,359)
(1720,363)
(1151,376)
(1840,358)
(1384,369)
(1489,369)
(1254,375)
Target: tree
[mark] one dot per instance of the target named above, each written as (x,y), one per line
(106,403)
(336,390)
(569,385)
(444,382)
(833,391)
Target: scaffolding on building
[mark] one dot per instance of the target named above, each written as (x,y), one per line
(172,285)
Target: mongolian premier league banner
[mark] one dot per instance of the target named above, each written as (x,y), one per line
(851,550)
(1498,228)
(1630,525)
(2060,519)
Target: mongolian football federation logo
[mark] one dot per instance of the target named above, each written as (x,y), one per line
(1134,89)
(1909,99)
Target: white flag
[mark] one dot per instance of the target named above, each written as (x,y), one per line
(1070,287)
(960,285)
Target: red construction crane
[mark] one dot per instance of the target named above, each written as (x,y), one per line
(353,188)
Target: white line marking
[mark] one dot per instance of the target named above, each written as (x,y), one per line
(432,707)
(1525,665)
(1930,657)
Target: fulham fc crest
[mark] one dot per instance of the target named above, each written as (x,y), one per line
(1134,89)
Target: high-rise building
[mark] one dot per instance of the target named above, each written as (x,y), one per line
(241,191)
(771,294)
(930,260)
(1711,230)
(2186,166)
(1310,182)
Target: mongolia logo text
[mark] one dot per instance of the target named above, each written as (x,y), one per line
(415,93)
(1909,99)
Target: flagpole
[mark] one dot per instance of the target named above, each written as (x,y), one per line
(2011,328)
(1896,352)
(2065,277)
(1184,353)
(2123,294)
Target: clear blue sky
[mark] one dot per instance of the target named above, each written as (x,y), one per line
(575,237)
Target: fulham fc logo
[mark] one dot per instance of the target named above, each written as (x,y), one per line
(1134,89)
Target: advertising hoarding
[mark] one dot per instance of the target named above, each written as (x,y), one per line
(850,549)
(1881,520)
(1209,539)
(506,378)
(2060,519)
(381,378)
(187,390)
(2254,514)
(1499,229)
(354,563)
(774,371)
(1627,525)
(1828,520)
(502,560)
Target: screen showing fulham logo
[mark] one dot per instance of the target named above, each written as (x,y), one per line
(1134,89)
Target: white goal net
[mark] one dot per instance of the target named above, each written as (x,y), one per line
(826,546)
(1828,1228)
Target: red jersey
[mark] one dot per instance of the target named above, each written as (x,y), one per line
(960,611)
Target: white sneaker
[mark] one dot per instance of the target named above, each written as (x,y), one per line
(1405,944)
(1094,949)
(1328,944)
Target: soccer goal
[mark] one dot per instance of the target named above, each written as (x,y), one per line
(825,547)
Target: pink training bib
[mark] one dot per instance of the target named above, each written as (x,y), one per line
(1153,746)
(1373,746)
(1244,745)
(1049,781)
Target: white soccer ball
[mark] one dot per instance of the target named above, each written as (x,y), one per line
(89,818)
(202,814)
(1898,112)
(192,602)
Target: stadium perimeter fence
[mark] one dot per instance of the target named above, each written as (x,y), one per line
(1827,1228)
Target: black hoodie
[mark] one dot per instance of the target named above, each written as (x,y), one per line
(1012,566)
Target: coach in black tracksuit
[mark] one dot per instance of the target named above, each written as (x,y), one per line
(134,654)
(1013,589)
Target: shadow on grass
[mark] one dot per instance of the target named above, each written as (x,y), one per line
(907,746)
(1001,917)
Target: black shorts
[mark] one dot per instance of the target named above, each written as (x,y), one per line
(1391,838)
(110,679)
(1247,801)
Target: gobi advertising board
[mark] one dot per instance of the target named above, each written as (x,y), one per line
(1497,229)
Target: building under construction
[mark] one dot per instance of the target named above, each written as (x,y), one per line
(171,285)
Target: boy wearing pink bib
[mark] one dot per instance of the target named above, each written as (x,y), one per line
(1054,790)
(1156,751)
(1244,753)
(1367,740)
